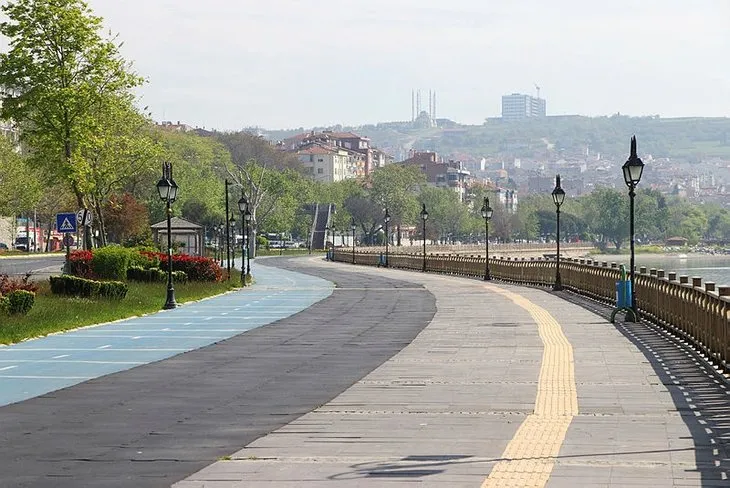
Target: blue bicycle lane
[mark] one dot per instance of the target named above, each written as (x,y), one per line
(50,363)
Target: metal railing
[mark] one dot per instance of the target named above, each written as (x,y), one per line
(700,314)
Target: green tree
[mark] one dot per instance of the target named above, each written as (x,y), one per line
(58,73)
(395,187)
(607,210)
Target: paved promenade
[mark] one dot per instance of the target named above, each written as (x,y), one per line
(506,386)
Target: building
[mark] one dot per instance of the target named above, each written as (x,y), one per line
(445,174)
(518,106)
(326,163)
(330,146)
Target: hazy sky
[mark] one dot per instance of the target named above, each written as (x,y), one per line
(227,64)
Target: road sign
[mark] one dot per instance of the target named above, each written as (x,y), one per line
(66,222)
(68,240)
(80,217)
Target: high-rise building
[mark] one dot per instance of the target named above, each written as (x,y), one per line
(518,106)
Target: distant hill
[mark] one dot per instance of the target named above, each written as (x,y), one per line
(689,139)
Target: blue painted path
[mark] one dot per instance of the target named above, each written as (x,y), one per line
(39,366)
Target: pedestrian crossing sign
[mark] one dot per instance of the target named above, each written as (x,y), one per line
(66,222)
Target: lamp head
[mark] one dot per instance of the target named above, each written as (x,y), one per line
(424,213)
(558,193)
(242,204)
(633,167)
(386,219)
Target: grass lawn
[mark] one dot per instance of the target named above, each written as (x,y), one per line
(54,313)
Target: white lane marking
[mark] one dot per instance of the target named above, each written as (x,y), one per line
(48,377)
(7,367)
(165,329)
(105,347)
(61,356)
(137,337)
(224,313)
(237,309)
(81,361)
(186,323)
(96,349)
(208,318)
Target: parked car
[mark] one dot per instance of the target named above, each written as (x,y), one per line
(3,246)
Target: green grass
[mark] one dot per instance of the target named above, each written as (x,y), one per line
(54,313)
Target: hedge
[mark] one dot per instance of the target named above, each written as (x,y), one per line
(17,302)
(82,287)
(154,275)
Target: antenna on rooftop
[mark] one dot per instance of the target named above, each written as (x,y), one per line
(538,89)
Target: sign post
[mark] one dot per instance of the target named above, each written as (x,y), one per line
(66,223)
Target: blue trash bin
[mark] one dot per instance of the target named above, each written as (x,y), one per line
(623,294)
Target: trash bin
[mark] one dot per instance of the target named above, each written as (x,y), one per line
(623,294)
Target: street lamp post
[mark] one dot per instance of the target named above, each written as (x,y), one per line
(487,215)
(228,235)
(353,227)
(232,221)
(247,238)
(632,168)
(326,238)
(558,199)
(243,207)
(424,218)
(386,219)
(167,188)
(221,230)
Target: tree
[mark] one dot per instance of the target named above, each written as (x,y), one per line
(58,73)
(127,220)
(607,210)
(395,187)
(20,186)
(120,149)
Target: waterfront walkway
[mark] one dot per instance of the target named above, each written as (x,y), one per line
(506,386)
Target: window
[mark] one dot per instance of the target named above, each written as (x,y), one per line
(320,160)
(320,171)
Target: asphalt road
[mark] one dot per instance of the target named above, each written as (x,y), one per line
(156,424)
(36,265)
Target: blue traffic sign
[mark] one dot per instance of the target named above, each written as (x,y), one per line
(66,222)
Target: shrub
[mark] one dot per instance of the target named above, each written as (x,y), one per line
(195,268)
(8,284)
(144,258)
(82,287)
(154,275)
(18,302)
(111,262)
(79,264)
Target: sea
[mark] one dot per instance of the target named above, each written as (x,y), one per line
(710,267)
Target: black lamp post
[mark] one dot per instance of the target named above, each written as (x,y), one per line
(221,230)
(247,239)
(487,215)
(243,207)
(632,168)
(353,227)
(558,199)
(326,238)
(386,219)
(232,221)
(424,218)
(167,188)
(228,235)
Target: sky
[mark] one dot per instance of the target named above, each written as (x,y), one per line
(276,64)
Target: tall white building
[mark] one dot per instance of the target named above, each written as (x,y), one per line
(519,106)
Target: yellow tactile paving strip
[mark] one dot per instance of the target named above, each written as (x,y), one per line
(529,457)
